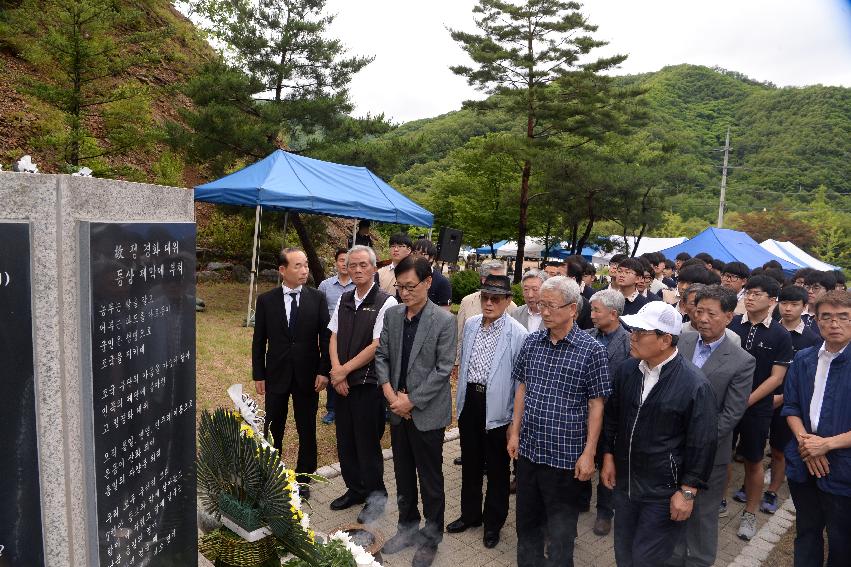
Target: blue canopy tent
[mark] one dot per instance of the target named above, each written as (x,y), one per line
(730,246)
(288,182)
(556,251)
(484,249)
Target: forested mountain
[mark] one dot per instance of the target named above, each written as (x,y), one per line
(786,142)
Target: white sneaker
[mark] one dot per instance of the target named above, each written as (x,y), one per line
(747,527)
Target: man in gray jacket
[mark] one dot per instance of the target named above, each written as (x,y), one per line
(413,362)
(729,369)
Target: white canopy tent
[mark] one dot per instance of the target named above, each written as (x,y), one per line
(789,251)
(646,244)
(533,248)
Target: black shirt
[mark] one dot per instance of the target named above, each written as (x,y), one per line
(632,307)
(409,331)
(770,346)
(440,292)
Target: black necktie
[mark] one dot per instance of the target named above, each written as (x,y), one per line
(293,311)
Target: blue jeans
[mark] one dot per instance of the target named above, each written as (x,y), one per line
(816,510)
(645,534)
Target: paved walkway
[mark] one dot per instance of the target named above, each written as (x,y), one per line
(466,549)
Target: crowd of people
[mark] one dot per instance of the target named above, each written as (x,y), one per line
(658,384)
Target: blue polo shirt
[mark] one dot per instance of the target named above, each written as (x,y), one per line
(333,289)
(770,344)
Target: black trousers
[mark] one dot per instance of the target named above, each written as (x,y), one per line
(604,495)
(477,447)
(817,511)
(645,534)
(419,454)
(549,498)
(305,406)
(360,425)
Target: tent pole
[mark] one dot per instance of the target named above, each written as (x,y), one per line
(354,232)
(253,266)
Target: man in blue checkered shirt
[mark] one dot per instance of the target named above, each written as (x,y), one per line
(563,380)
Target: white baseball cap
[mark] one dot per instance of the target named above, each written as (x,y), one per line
(656,316)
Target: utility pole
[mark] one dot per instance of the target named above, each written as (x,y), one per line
(722,204)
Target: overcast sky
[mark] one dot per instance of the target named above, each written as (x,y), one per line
(787,42)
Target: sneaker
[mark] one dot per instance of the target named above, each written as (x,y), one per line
(722,509)
(747,527)
(740,495)
(328,418)
(769,502)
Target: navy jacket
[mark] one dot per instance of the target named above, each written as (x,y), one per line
(835,417)
(666,441)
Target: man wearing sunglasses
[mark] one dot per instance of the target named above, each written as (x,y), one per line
(485,401)
(660,439)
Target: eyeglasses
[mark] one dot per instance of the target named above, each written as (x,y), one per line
(731,277)
(549,306)
(815,287)
(496,298)
(642,332)
(755,294)
(408,288)
(838,317)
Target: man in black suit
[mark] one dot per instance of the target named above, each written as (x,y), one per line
(290,356)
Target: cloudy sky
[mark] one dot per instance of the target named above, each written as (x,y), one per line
(787,42)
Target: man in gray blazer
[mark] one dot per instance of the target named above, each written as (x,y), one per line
(729,369)
(528,314)
(413,362)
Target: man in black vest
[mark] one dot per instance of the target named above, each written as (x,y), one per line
(289,355)
(355,329)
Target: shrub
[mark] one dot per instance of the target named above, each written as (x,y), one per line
(517,292)
(464,283)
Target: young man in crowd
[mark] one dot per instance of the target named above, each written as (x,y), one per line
(552,269)
(717,266)
(840,280)
(614,263)
(706,259)
(678,262)
(817,284)
(816,407)
(355,330)
(400,248)
(733,277)
(485,401)
(689,275)
(413,363)
(769,343)
(661,405)
(560,371)
(629,271)
(333,288)
(793,301)
(729,370)
(589,276)
(606,310)
(440,292)
(362,237)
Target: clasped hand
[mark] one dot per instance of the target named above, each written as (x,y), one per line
(402,405)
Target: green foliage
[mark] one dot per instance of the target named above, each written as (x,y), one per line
(168,170)
(464,282)
(234,466)
(81,48)
(333,554)
(517,294)
(229,233)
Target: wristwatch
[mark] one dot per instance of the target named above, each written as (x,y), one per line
(687,494)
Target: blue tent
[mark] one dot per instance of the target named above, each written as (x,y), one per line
(556,251)
(484,249)
(285,181)
(729,246)
(288,182)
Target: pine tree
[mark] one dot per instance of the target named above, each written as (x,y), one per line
(84,50)
(533,55)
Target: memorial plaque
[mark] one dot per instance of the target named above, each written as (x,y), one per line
(140,343)
(21,542)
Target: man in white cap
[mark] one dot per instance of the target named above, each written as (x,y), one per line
(660,437)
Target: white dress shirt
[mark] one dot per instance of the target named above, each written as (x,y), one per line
(288,299)
(825,357)
(534,323)
(651,375)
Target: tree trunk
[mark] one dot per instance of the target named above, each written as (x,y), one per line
(524,216)
(546,242)
(316,269)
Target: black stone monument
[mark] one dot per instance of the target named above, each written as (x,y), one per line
(139,337)
(21,543)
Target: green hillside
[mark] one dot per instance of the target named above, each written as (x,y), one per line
(787,142)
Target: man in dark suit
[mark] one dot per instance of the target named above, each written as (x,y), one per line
(729,369)
(289,355)
(415,356)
